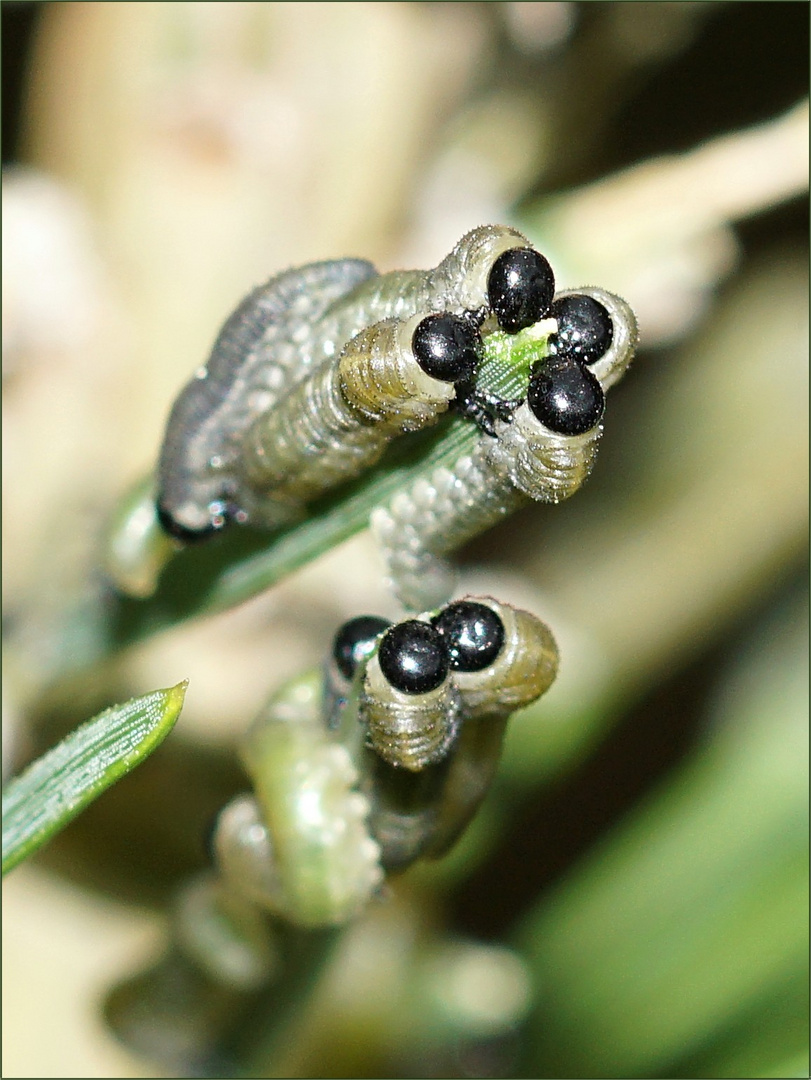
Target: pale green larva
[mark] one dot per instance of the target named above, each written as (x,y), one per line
(300,846)
(544,451)
(232,449)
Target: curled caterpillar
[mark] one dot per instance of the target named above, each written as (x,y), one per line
(544,451)
(433,695)
(382,761)
(322,366)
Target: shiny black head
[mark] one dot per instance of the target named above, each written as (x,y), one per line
(565,396)
(447,347)
(520,288)
(413,657)
(585,330)
(473,633)
(354,641)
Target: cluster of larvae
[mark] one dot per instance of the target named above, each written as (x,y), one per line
(322,368)
(383,760)
(385,756)
(310,381)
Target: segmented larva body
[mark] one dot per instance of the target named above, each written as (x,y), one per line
(497,659)
(267,343)
(300,846)
(524,667)
(453,504)
(425,704)
(286,329)
(524,670)
(409,730)
(544,453)
(432,675)
(349,775)
(338,422)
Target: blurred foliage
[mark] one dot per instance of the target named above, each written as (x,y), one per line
(638,876)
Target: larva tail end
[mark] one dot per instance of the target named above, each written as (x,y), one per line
(137,547)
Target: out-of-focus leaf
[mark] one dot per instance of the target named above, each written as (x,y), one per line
(691,920)
(59,785)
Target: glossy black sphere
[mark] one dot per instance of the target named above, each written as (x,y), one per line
(413,657)
(520,288)
(585,330)
(565,396)
(473,632)
(447,347)
(354,641)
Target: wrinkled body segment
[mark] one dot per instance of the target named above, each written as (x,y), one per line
(318,371)
(252,364)
(350,778)
(219,458)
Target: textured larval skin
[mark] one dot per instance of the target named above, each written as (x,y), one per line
(524,461)
(410,731)
(439,513)
(287,328)
(449,507)
(417,813)
(328,813)
(300,846)
(336,423)
(416,730)
(252,364)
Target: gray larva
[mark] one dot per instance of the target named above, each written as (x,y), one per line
(254,359)
(525,460)
(226,443)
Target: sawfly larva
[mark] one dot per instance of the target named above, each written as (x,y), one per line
(306,851)
(349,777)
(543,452)
(233,450)
(433,696)
(392,378)
(300,845)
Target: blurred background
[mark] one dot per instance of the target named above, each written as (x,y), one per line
(632,900)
